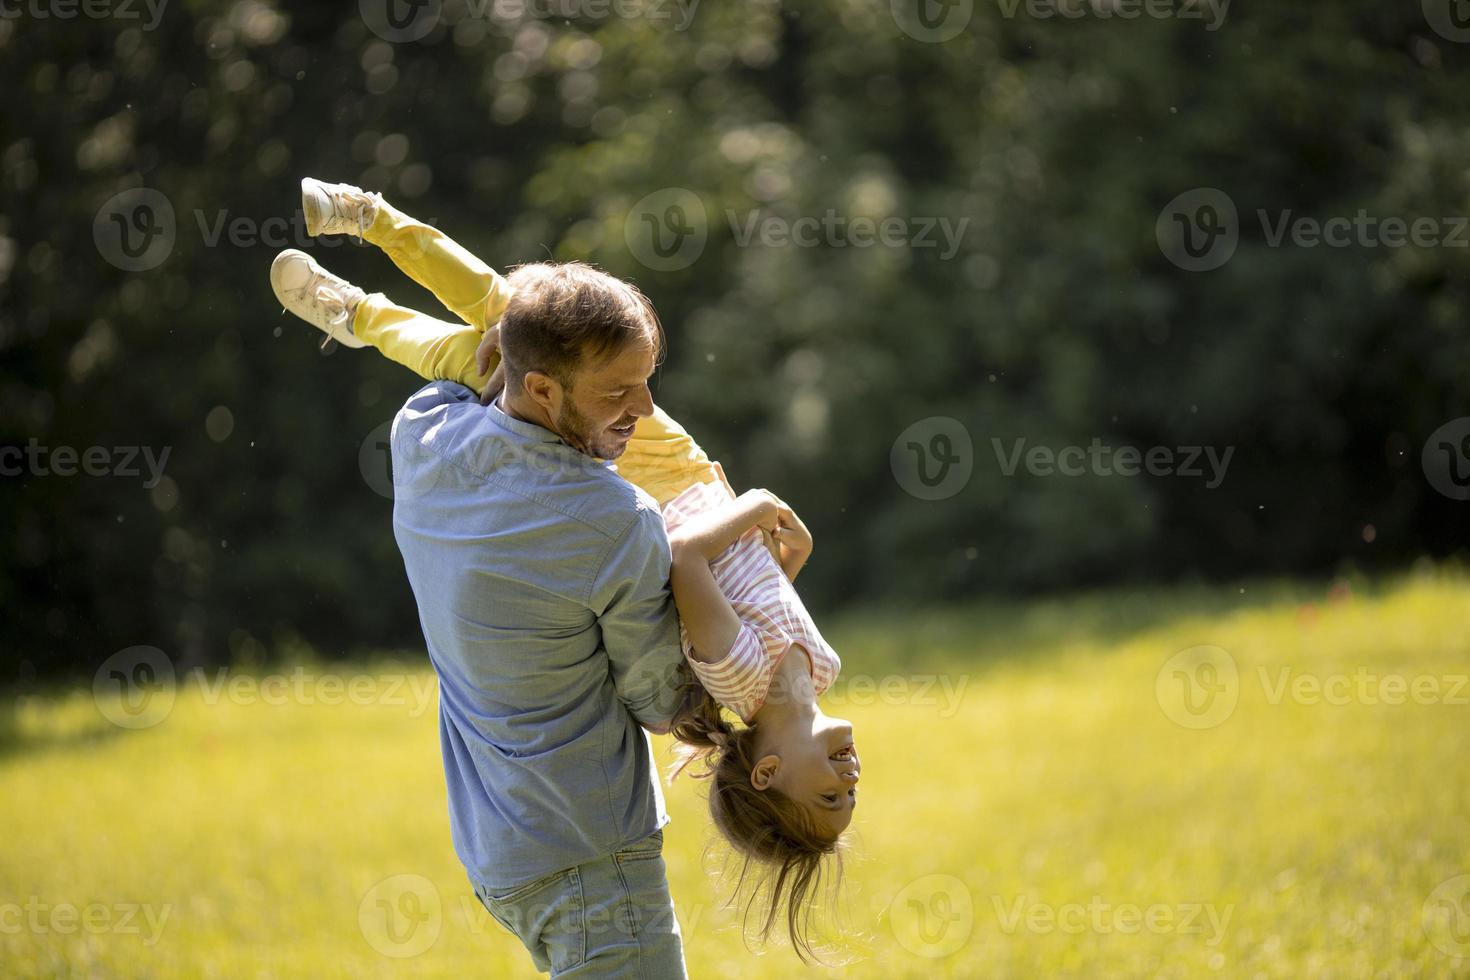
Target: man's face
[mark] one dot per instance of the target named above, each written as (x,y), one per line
(598,412)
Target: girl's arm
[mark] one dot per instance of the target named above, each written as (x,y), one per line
(789,542)
(710,533)
(703,608)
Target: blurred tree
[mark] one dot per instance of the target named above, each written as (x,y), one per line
(1035,154)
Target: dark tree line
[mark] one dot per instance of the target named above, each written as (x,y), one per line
(996,229)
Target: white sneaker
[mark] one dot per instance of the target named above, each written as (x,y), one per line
(337,209)
(323,300)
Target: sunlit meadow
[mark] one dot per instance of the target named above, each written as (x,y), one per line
(1259,780)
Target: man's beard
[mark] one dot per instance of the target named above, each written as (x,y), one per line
(586,438)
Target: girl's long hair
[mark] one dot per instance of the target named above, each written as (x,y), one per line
(765,827)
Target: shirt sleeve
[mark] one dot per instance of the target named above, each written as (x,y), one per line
(737,679)
(640,629)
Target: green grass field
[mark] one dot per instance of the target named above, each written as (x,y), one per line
(1211,782)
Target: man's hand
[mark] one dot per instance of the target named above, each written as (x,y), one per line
(489,346)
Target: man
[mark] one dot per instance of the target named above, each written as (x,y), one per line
(542,584)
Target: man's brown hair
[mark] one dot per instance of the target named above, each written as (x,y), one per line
(567,315)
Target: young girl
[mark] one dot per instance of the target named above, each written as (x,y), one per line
(784,781)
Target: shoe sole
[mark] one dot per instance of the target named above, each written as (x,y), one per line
(278,265)
(311,207)
(292,256)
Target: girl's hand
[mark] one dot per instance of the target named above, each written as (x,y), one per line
(768,538)
(713,531)
(782,532)
(794,542)
(763,506)
(791,533)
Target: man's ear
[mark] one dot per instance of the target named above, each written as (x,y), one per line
(544,390)
(765,770)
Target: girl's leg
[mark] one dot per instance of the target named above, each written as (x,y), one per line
(467,287)
(661,457)
(432,349)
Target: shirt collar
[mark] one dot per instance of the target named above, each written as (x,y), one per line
(527,430)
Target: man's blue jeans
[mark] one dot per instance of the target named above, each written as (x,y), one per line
(612,917)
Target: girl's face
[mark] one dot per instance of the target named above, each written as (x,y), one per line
(817,768)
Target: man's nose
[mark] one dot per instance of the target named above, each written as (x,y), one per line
(643,406)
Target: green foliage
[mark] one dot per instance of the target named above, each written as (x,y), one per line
(1058,319)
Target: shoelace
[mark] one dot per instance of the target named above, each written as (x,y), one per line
(331,301)
(363,202)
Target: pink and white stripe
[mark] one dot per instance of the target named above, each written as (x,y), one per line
(772,615)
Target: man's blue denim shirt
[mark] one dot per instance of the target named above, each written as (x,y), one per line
(542,580)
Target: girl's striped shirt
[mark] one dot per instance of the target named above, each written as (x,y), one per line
(772,616)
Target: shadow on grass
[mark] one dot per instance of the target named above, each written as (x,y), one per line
(71,722)
(990,632)
(62,714)
(978,635)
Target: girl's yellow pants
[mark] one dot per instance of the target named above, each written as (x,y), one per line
(661,457)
